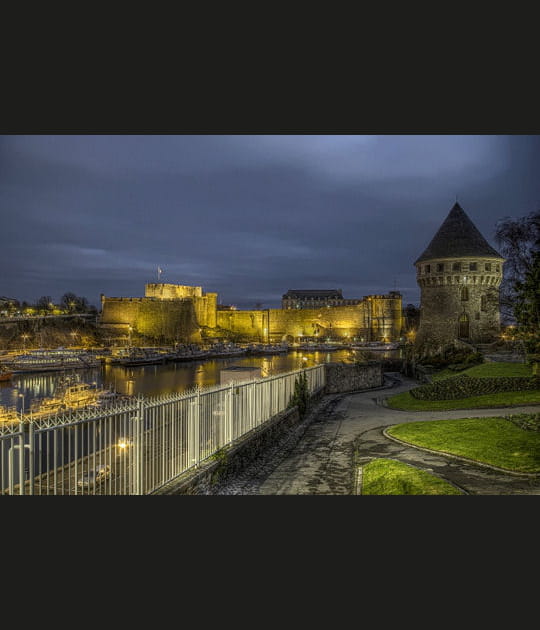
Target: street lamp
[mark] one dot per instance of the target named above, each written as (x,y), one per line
(21,396)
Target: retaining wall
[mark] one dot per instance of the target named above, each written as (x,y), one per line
(234,458)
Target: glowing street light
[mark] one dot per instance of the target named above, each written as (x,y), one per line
(21,396)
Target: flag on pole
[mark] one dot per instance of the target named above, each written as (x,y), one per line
(159,272)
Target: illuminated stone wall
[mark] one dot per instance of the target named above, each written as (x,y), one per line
(375,318)
(248,324)
(173,320)
(171,291)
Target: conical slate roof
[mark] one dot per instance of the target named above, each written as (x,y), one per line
(457,236)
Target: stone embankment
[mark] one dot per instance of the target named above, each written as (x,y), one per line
(248,462)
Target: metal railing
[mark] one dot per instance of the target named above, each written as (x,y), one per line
(137,446)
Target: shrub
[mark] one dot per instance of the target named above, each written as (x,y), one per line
(463,386)
(455,359)
(527,421)
(300,397)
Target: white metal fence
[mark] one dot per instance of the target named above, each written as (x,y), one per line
(136,447)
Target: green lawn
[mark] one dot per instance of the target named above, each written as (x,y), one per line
(488,369)
(407,402)
(386,476)
(494,441)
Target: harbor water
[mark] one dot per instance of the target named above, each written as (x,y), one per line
(155,380)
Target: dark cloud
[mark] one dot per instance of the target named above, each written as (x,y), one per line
(247,216)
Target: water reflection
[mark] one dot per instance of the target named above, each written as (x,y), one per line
(154,380)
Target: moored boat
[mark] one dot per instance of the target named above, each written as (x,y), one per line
(71,394)
(51,360)
(5,373)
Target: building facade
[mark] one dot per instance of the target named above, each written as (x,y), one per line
(459,275)
(315,298)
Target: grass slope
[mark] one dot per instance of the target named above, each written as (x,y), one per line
(386,476)
(406,402)
(493,441)
(488,369)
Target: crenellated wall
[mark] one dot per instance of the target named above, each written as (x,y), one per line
(171,291)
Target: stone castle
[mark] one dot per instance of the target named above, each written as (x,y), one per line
(459,275)
(172,312)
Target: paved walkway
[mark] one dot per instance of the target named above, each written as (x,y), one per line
(320,459)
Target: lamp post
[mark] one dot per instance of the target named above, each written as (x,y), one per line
(24,338)
(21,396)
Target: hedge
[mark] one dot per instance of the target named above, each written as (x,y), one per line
(464,386)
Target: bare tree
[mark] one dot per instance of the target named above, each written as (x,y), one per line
(518,240)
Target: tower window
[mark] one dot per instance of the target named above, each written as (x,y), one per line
(473,266)
(488,267)
(464,294)
(440,267)
(497,268)
(483,303)
(428,269)
(456,266)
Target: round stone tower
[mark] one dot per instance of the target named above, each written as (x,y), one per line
(459,275)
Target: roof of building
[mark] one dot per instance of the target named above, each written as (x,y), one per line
(314,293)
(457,236)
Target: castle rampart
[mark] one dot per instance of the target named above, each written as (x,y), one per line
(374,318)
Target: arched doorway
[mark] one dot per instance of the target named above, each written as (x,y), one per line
(463,326)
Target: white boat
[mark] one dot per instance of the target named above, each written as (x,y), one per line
(49,360)
(70,394)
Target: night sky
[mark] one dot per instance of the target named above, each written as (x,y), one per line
(246,216)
